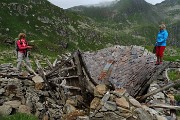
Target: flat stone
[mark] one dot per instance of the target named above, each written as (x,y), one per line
(13,104)
(135,102)
(99,115)
(5,110)
(39,106)
(123,110)
(125,115)
(142,114)
(110,105)
(103,109)
(122,102)
(160,117)
(106,97)
(2,90)
(94,103)
(83,118)
(112,116)
(100,90)
(71,102)
(68,108)
(24,109)
(119,92)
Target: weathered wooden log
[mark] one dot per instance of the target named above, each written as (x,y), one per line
(159,90)
(55,62)
(89,85)
(49,63)
(79,72)
(68,68)
(164,106)
(71,87)
(70,77)
(59,66)
(61,70)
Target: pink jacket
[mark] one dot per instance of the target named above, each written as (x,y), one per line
(22,45)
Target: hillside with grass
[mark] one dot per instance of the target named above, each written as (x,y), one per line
(52,30)
(137,18)
(49,28)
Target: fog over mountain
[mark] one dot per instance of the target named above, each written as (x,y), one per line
(71,3)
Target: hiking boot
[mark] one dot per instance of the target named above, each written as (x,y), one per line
(157,63)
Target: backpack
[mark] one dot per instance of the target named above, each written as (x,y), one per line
(16,46)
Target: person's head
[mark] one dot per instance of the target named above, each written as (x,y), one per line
(21,35)
(162,26)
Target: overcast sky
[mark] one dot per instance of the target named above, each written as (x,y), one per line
(70,3)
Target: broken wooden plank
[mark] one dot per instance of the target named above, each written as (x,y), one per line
(68,68)
(71,87)
(164,106)
(49,63)
(159,90)
(69,77)
(89,85)
(55,62)
(59,66)
(79,72)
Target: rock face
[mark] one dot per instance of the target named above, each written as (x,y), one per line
(130,65)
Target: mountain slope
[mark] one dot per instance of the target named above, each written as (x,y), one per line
(121,11)
(137,18)
(50,27)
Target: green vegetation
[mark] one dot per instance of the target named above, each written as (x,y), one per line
(177,98)
(19,116)
(170,54)
(174,74)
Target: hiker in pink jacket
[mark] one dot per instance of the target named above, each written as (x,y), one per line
(22,50)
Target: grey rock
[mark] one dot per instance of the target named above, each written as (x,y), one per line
(2,90)
(141,113)
(110,105)
(13,104)
(83,118)
(5,110)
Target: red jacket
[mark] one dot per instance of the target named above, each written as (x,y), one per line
(22,45)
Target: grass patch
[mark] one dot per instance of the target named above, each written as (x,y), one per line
(177,98)
(19,116)
(174,75)
(170,54)
(171,58)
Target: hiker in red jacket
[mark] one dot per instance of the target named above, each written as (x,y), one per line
(22,50)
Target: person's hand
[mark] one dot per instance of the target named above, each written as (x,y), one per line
(29,47)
